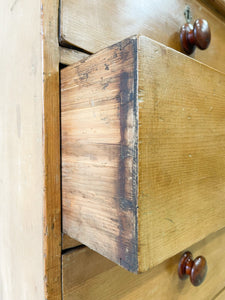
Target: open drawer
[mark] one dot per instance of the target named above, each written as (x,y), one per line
(143,152)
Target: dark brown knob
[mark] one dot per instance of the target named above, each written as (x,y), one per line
(196,269)
(198,35)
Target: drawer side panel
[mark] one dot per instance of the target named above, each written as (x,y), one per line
(99,156)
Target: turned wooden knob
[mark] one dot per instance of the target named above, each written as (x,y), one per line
(198,35)
(196,268)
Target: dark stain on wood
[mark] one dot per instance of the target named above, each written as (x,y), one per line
(106,67)
(91,162)
(127,200)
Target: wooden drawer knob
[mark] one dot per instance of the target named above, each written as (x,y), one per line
(198,35)
(196,268)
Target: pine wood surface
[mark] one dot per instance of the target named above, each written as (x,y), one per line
(175,124)
(89,276)
(92,161)
(220,295)
(51,151)
(94,25)
(181,152)
(219,5)
(70,56)
(68,242)
(30,151)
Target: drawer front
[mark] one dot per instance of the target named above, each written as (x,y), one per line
(94,25)
(89,276)
(143,165)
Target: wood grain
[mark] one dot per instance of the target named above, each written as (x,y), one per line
(181,152)
(178,118)
(98,163)
(70,56)
(220,295)
(81,265)
(88,276)
(219,5)
(51,151)
(94,25)
(68,242)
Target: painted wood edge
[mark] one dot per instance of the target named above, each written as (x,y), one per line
(51,151)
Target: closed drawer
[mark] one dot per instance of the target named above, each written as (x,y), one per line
(89,276)
(143,165)
(94,25)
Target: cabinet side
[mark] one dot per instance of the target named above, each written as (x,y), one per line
(21,135)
